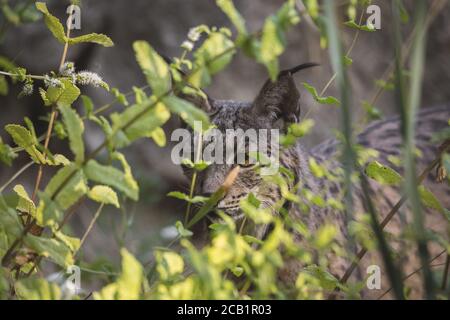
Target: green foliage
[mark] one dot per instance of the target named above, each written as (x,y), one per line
(37,289)
(104,194)
(236,246)
(111,176)
(53,23)
(273,40)
(383,174)
(75,128)
(319,99)
(213,56)
(154,68)
(129,284)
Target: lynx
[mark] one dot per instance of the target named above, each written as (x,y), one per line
(276,106)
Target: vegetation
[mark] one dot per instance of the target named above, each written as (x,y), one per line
(233,265)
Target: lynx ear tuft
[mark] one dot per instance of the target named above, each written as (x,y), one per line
(280,100)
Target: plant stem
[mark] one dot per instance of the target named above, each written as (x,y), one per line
(91,225)
(194,177)
(445,275)
(393,211)
(16,175)
(411,274)
(12,75)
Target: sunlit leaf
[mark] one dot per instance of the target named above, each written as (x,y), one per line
(93,38)
(112,177)
(25,203)
(319,99)
(104,194)
(187,111)
(23,138)
(75,129)
(37,289)
(185,197)
(383,174)
(53,249)
(169,264)
(154,67)
(53,23)
(129,284)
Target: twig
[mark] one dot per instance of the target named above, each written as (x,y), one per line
(392,212)
(16,175)
(413,273)
(445,275)
(89,228)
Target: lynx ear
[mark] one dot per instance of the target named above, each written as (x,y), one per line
(280,100)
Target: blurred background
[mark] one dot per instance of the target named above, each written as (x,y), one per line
(165,23)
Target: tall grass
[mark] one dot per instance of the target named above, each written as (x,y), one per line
(408,105)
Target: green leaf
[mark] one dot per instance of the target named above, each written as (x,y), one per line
(53,23)
(37,289)
(213,56)
(348,61)
(7,154)
(10,14)
(48,213)
(154,67)
(197,166)
(23,138)
(299,130)
(129,284)
(327,280)
(6,64)
(235,17)
(104,194)
(183,232)
(75,129)
(140,120)
(25,204)
(65,95)
(69,190)
(429,199)
(185,197)
(53,249)
(273,43)
(383,174)
(93,38)
(9,221)
(273,39)
(187,111)
(71,242)
(121,97)
(352,24)
(317,170)
(321,100)
(325,236)
(3,86)
(112,177)
(88,105)
(168,264)
(158,135)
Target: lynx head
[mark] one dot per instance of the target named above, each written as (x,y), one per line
(276,105)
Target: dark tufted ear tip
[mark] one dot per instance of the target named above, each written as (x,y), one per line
(301,67)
